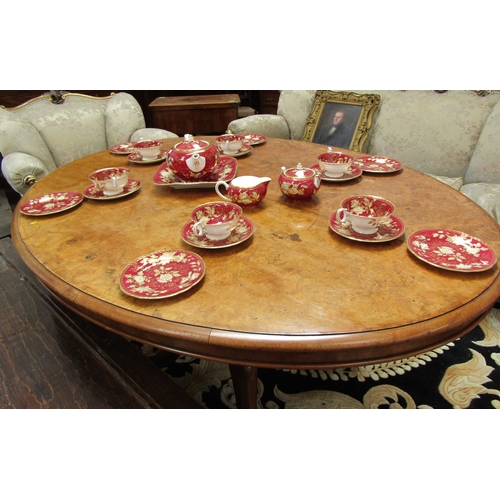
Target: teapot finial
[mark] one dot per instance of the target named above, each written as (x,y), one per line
(188,137)
(299,166)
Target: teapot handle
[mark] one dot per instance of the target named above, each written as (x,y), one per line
(217,189)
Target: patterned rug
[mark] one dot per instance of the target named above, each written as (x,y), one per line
(462,374)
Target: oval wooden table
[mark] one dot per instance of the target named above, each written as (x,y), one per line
(294,295)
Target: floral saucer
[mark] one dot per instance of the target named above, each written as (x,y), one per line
(378,164)
(351,173)
(243,230)
(245,149)
(451,250)
(392,229)
(51,203)
(254,139)
(137,158)
(122,149)
(95,193)
(225,171)
(162,274)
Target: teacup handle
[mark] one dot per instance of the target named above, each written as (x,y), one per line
(198,228)
(217,189)
(342,214)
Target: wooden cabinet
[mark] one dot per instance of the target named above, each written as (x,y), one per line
(269,102)
(197,115)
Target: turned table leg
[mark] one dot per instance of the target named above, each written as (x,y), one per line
(245,385)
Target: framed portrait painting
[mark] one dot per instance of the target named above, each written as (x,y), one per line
(341,119)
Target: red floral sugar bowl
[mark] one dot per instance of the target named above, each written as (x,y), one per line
(299,183)
(193,160)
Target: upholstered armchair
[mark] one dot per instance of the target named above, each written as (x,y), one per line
(294,107)
(52,130)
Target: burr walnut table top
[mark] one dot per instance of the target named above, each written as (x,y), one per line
(295,294)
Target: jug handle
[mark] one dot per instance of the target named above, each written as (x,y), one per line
(217,189)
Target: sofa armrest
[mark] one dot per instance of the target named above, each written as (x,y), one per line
(486,195)
(151,134)
(22,170)
(268,125)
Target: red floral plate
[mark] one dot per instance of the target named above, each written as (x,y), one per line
(351,173)
(378,164)
(137,158)
(94,192)
(122,149)
(225,171)
(245,149)
(161,274)
(451,250)
(241,233)
(254,139)
(390,230)
(51,203)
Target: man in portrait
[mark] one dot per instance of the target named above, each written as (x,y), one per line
(338,126)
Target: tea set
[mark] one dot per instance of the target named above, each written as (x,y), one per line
(197,162)
(222,224)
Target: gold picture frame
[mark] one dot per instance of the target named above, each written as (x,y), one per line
(353,115)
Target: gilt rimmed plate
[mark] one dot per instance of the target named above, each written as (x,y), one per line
(243,230)
(352,172)
(122,149)
(452,250)
(162,274)
(137,158)
(95,193)
(254,139)
(390,230)
(245,149)
(51,203)
(378,164)
(224,171)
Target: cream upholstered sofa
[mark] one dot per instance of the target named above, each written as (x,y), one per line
(451,135)
(52,130)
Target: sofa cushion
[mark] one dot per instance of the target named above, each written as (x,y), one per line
(433,133)
(71,130)
(454,182)
(486,195)
(18,136)
(123,117)
(295,106)
(485,162)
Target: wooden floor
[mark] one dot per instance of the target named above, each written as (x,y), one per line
(52,358)
(5,215)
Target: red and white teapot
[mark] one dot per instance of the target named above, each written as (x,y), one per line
(193,160)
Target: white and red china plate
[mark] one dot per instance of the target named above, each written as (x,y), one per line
(224,171)
(51,203)
(243,230)
(93,192)
(254,139)
(378,164)
(245,149)
(352,172)
(137,158)
(122,149)
(389,230)
(452,250)
(162,274)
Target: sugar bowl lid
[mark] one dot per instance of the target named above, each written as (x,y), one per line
(298,172)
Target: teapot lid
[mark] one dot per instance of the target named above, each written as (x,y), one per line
(191,144)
